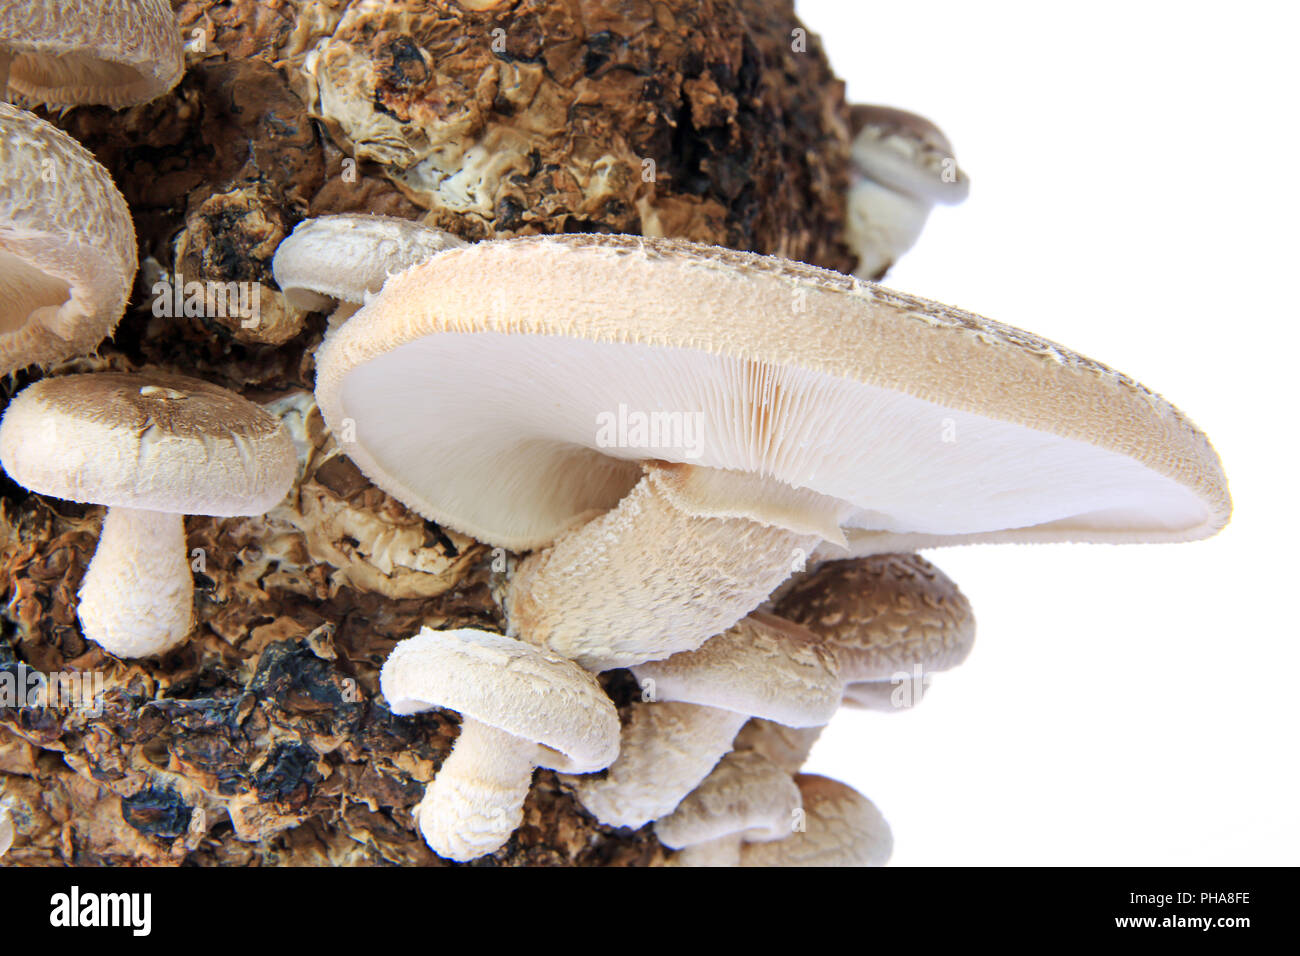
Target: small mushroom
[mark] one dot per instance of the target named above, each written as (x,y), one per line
(110,52)
(887,619)
(745,799)
(903,165)
(153,447)
(67,245)
(521,708)
(336,261)
(660,420)
(840,828)
(761,667)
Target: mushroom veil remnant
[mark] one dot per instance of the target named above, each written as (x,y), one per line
(521,708)
(772,409)
(153,447)
(109,52)
(336,261)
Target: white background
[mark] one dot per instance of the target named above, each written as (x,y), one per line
(1135,179)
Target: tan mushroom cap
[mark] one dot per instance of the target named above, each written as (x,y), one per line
(67,245)
(842,828)
(745,795)
(110,52)
(509,686)
(150,441)
(841,389)
(762,666)
(883,615)
(346,257)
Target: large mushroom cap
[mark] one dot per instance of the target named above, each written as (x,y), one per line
(110,52)
(147,441)
(883,615)
(67,245)
(346,257)
(476,385)
(510,686)
(762,666)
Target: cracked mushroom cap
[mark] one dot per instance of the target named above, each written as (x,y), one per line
(746,795)
(476,385)
(883,615)
(510,686)
(111,52)
(762,667)
(148,441)
(346,257)
(841,828)
(67,245)
(906,153)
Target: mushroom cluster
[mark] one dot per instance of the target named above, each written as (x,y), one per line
(673,430)
(702,472)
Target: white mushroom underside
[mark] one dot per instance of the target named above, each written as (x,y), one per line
(26,291)
(520,454)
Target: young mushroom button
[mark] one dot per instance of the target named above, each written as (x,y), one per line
(521,708)
(110,52)
(903,166)
(153,448)
(336,261)
(674,426)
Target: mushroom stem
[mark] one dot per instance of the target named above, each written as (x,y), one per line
(665,578)
(476,801)
(667,749)
(137,596)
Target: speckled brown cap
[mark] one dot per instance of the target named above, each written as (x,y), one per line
(883,615)
(110,52)
(149,441)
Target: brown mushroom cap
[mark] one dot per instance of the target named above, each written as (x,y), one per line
(906,153)
(745,795)
(762,666)
(883,615)
(803,377)
(148,441)
(111,52)
(842,828)
(67,245)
